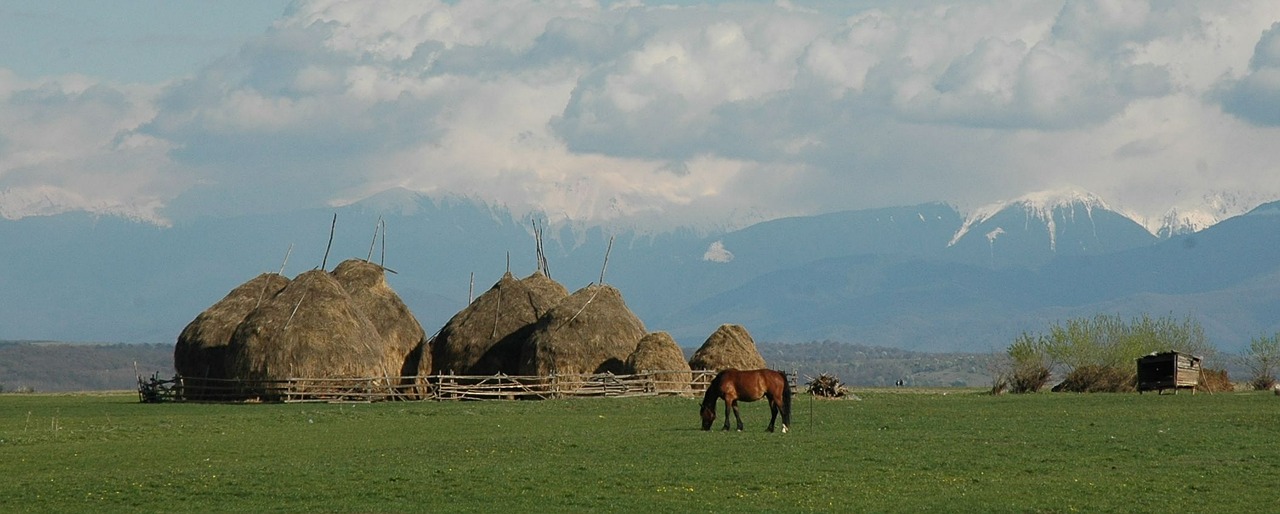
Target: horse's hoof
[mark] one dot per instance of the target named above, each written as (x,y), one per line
(784,429)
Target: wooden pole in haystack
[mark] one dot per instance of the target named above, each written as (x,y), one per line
(497,314)
(374,241)
(539,249)
(286,259)
(267,283)
(606,259)
(325,261)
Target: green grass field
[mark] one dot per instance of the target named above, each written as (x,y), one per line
(906,451)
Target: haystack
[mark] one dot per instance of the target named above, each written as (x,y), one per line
(485,338)
(730,346)
(589,331)
(399,331)
(310,329)
(657,351)
(201,351)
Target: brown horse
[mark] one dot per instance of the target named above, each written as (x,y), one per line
(748,386)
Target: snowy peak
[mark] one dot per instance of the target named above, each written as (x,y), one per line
(1178,222)
(1209,209)
(1047,208)
(1034,229)
(18,203)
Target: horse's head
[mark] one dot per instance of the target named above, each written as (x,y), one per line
(708,416)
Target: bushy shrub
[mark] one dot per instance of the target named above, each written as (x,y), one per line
(1099,379)
(1025,370)
(1028,379)
(1214,381)
(1262,383)
(1262,359)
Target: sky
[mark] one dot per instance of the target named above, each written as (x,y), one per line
(642,113)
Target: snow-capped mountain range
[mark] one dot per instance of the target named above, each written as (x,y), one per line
(923,277)
(18,203)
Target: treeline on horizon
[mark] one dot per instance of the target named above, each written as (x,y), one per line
(52,366)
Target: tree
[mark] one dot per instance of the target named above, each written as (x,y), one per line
(1262,359)
(1108,346)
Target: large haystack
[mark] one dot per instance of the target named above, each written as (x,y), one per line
(657,351)
(399,331)
(310,329)
(201,351)
(730,346)
(485,338)
(590,331)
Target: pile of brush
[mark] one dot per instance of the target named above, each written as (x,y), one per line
(827,386)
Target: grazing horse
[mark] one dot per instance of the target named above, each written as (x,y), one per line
(736,385)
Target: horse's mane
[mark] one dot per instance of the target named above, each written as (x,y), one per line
(713,392)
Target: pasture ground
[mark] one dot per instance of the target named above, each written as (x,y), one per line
(894,451)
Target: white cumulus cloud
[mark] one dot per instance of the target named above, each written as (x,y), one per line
(662,115)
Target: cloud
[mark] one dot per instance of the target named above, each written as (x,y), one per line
(69,144)
(1255,97)
(661,115)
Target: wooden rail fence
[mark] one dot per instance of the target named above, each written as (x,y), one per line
(433,387)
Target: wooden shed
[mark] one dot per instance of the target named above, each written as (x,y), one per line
(1168,370)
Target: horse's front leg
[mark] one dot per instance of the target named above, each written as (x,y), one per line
(728,405)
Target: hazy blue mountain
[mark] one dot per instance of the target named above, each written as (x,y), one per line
(1227,277)
(921,277)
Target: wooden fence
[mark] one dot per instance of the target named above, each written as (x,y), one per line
(434,387)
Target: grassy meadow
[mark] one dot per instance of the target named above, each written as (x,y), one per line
(893,450)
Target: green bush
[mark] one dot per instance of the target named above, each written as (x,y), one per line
(1100,353)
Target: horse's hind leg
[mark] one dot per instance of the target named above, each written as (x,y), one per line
(736,416)
(773,416)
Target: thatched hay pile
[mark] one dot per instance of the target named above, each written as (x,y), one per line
(201,350)
(657,351)
(590,331)
(730,346)
(399,332)
(486,337)
(311,328)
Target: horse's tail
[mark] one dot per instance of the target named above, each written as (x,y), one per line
(786,400)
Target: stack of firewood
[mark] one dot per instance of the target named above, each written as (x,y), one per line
(827,386)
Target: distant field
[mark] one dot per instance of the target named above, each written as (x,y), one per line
(53,367)
(900,450)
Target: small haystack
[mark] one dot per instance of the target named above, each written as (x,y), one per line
(590,331)
(400,332)
(485,338)
(730,346)
(657,351)
(310,329)
(201,351)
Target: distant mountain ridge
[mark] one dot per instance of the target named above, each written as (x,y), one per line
(922,277)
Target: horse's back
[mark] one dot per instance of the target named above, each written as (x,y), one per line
(749,385)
